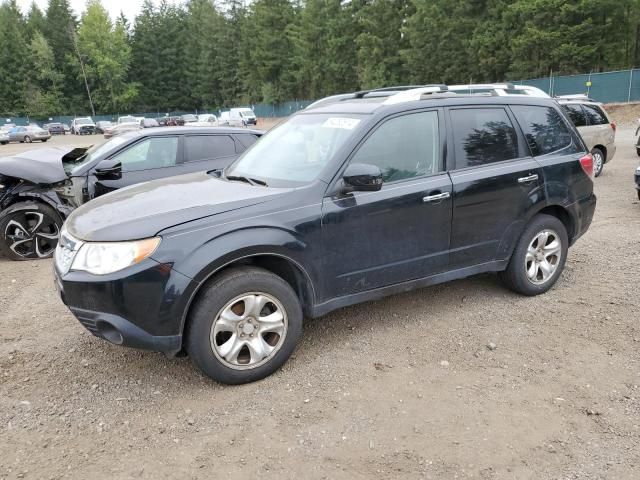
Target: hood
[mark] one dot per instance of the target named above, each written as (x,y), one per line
(43,166)
(145,209)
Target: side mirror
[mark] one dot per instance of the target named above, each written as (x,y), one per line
(109,168)
(361,177)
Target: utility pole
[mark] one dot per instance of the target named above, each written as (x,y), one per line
(74,40)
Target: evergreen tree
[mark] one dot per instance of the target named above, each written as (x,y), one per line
(35,21)
(43,92)
(14,59)
(107,59)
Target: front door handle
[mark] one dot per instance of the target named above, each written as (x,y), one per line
(528,179)
(437,197)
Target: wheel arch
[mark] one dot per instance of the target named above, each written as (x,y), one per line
(279,264)
(603,149)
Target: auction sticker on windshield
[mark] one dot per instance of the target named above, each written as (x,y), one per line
(338,122)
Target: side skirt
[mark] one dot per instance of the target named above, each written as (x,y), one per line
(376,294)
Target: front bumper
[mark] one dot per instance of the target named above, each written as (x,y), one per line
(140,307)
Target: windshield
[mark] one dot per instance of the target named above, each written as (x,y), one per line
(189,118)
(126,119)
(247,112)
(83,121)
(296,151)
(97,151)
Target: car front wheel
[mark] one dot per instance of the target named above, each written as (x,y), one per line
(29,230)
(539,257)
(244,326)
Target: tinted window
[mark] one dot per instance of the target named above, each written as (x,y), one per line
(245,142)
(543,128)
(595,115)
(576,114)
(157,152)
(403,147)
(483,135)
(207,147)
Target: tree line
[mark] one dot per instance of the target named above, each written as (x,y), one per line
(218,53)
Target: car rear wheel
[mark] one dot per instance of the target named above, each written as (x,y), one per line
(244,326)
(539,257)
(29,230)
(598,161)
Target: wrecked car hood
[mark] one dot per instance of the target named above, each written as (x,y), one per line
(42,166)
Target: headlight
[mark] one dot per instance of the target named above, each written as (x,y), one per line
(104,258)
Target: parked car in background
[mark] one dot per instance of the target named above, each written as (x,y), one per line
(39,188)
(205,120)
(83,126)
(67,128)
(242,117)
(189,118)
(162,121)
(102,125)
(338,205)
(149,123)
(224,119)
(127,119)
(120,128)
(28,134)
(55,128)
(637,179)
(593,123)
(4,137)
(175,121)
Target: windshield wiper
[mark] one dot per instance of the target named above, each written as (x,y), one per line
(250,181)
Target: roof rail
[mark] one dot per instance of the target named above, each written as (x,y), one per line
(502,89)
(415,94)
(373,92)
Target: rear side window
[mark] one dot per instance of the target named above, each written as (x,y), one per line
(576,114)
(208,147)
(403,147)
(544,129)
(595,115)
(482,136)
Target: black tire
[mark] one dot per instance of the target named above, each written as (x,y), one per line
(27,139)
(515,276)
(638,194)
(44,140)
(638,151)
(217,294)
(597,166)
(26,214)
(3,143)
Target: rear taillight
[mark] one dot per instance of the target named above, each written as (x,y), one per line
(587,165)
(613,126)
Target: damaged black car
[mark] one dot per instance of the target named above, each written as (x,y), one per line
(40,188)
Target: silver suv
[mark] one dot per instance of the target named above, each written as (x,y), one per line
(595,127)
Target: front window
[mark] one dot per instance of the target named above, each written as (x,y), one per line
(83,121)
(296,151)
(97,151)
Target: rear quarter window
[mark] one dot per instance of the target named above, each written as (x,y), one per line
(545,130)
(595,115)
(245,141)
(576,114)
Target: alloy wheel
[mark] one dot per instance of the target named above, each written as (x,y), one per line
(597,162)
(32,234)
(543,257)
(249,330)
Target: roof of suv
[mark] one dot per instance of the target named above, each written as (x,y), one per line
(375,105)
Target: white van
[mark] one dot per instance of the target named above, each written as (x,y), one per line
(242,117)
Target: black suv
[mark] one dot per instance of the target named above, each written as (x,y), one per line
(373,194)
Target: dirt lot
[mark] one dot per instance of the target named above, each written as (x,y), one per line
(404,388)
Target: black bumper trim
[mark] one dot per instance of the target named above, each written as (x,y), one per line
(119,331)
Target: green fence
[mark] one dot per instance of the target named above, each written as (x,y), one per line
(607,87)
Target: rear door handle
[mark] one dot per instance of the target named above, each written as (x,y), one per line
(528,179)
(436,197)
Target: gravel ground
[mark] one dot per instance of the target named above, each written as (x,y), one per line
(462,380)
